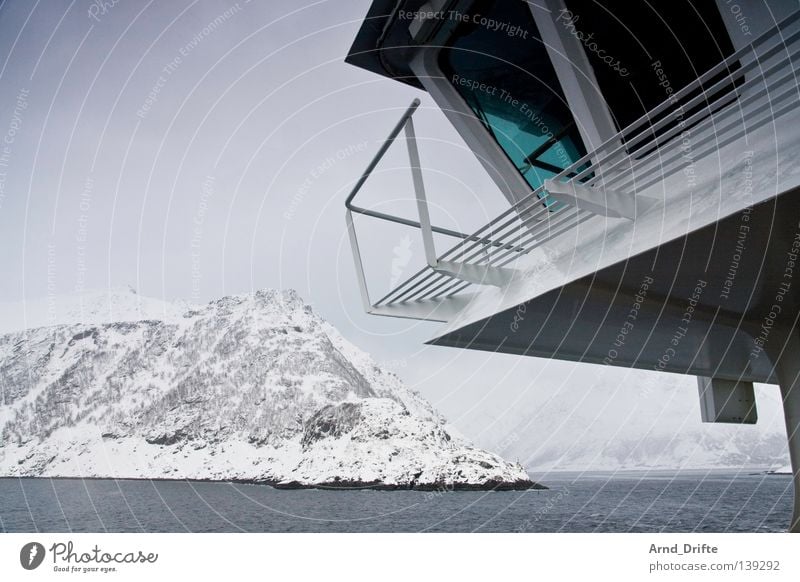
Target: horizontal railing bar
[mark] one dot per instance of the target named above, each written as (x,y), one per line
(702,118)
(522,226)
(524,229)
(429,274)
(614,139)
(460,245)
(558,231)
(497,233)
(600,164)
(751,126)
(381,152)
(565,217)
(582,217)
(495,260)
(437,229)
(499,262)
(717,87)
(446,255)
(505,237)
(680,94)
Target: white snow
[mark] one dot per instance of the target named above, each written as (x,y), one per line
(602,242)
(249,387)
(111,305)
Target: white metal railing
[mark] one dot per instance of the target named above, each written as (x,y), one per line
(754,86)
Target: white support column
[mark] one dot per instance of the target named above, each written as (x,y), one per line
(785,354)
(602,201)
(480,274)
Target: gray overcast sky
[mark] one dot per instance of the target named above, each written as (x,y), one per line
(150,147)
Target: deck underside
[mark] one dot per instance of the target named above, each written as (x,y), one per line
(688,306)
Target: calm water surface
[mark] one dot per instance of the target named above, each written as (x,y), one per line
(574,503)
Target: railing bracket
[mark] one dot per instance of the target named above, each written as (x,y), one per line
(602,201)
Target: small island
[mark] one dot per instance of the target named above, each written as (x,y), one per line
(253,388)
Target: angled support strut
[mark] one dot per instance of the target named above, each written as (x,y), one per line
(471,272)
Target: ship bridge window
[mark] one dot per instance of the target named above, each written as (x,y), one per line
(496,61)
(643,52)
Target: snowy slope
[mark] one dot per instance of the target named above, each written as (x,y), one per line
(111,305)
(252,387)
(650,421)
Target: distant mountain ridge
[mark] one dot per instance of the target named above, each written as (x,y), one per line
(252,387)
(650,422)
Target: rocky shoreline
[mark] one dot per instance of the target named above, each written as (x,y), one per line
(251,388)
(520,485)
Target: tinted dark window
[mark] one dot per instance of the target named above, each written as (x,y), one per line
(506,77)
(641,52)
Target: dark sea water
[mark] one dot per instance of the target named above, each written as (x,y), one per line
(714,502)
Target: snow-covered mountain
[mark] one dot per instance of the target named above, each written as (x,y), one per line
(253,387)
(637,420)
(99,306)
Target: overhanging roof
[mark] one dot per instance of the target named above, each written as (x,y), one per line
(573,301)
(383,44)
